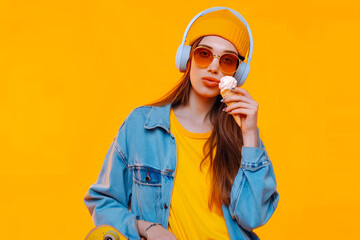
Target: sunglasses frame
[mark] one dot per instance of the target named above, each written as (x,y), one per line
(217,56)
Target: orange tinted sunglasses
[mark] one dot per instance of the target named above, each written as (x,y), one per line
(228,62)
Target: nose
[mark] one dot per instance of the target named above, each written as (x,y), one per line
(214,66)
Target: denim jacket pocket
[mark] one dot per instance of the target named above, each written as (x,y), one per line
(147,176)
(146,192)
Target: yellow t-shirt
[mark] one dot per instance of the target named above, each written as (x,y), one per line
(190,216)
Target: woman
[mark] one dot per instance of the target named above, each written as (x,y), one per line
(181,168)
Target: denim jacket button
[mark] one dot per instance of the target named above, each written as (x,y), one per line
(165,206)
(148,178)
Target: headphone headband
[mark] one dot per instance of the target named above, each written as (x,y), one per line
(213,9)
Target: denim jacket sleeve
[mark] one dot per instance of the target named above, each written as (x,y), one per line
(253,197)
(107,200)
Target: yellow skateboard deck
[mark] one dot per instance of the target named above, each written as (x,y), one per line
(105,232)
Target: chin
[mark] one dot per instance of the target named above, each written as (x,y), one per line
(209,94)
(205,91)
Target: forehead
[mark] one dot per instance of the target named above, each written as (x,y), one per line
(218,43)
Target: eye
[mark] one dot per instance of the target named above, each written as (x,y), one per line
(227,60)
(204,53)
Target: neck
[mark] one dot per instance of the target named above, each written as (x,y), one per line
(198,107)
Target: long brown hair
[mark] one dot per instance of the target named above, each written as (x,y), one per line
(226,137)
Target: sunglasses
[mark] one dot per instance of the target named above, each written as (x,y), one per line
(228,62)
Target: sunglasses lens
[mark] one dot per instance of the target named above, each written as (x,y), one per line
(229,63)
(203,57)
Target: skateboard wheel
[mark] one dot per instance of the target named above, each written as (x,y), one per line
(111,235)
(105,232)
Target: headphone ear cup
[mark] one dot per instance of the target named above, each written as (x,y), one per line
(182,57)
(242,73)
(178,56)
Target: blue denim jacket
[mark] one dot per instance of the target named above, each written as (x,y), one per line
(138,175)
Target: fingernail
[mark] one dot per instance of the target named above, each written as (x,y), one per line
(221,100)
(224,109)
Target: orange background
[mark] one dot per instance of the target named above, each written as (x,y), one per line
(71,71)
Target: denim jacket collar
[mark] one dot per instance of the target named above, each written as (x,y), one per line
(158,117)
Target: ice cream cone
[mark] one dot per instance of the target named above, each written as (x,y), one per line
(226,93)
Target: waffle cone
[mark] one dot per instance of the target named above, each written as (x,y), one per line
(226,93)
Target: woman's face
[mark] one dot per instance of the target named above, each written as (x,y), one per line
(205,81)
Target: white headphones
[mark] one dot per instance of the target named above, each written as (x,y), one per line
(183,51)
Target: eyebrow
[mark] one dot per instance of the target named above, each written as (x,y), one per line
(212,49)
(228,51)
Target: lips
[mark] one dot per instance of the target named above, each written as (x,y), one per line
(211,79)
(210,82)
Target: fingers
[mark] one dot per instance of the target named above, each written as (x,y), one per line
(237,105)
(242,91)
(236,98)
(244,100)
(247,112)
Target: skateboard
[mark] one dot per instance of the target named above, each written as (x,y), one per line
(105,232)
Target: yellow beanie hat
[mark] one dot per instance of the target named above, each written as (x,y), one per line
(222,23)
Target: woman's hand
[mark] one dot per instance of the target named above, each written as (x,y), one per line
(247,108)
(158,232)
